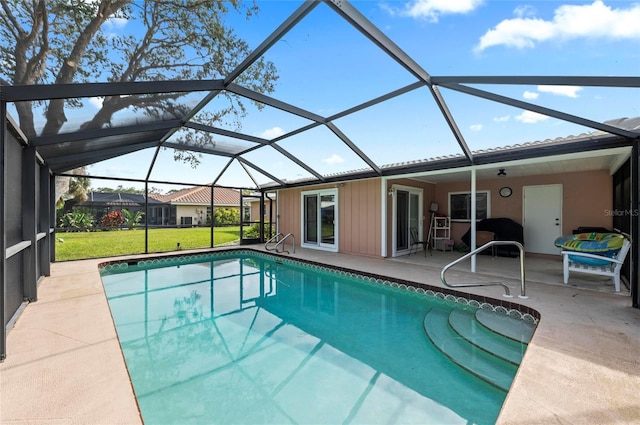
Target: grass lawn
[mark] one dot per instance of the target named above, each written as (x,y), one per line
(80,245)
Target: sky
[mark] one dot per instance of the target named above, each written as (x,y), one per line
(326,66)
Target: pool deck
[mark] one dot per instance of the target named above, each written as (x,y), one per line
(64,364)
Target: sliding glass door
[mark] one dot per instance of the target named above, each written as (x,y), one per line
(319,219)
(407,214)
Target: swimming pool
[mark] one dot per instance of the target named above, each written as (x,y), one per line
(246,337)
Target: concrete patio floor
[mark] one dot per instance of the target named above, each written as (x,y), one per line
(64,364)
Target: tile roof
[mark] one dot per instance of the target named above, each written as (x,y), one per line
(202,195)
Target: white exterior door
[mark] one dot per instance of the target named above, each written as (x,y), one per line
(542,218)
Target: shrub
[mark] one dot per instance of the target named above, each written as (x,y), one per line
(226,216)
(253,231)
(113,219)
(75,220)
(131,220)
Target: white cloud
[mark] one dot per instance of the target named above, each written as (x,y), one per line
(476,127)
(595,20)
(530,95)
(271,133)
(117,23)
(569,91)
(433,9)
(333,159)
(503,118)
(522,11)
(529,117)
(96,101)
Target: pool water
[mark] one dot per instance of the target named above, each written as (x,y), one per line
(245,339)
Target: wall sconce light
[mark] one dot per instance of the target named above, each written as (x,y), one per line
(501,172)
(391,190)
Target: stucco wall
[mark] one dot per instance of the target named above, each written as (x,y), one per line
(586,196)
(191,211)
(359,215)
(255,210)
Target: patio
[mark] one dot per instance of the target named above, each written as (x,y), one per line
(581,366)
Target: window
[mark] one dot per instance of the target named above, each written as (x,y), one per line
(246,213)
(460,205)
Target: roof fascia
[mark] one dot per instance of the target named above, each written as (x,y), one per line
(541,110)
(592,144)
(66,91)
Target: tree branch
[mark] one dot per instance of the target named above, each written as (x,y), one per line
(55,112)
(12,20)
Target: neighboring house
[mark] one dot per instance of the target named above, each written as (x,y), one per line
(251,208)
(192,206)
(550,187)
(99,204)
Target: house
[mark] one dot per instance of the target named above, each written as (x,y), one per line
(192,206)
(549,187)
(251,207)
(99,204)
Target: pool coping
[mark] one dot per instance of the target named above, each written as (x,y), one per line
(500,306)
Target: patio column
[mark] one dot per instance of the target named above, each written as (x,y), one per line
(44,225)
(383,213)
(3,224)
(146,216)
(52,218)
(473,218)
(211,236)
(29,223)
(635,225)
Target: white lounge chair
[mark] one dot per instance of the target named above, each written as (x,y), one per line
(583,262)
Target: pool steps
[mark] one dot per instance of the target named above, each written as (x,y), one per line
(514,329)
(466,325)
(489,347)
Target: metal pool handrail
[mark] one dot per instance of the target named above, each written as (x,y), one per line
(280,242)
(287,236)
(482,248)
(276,237)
